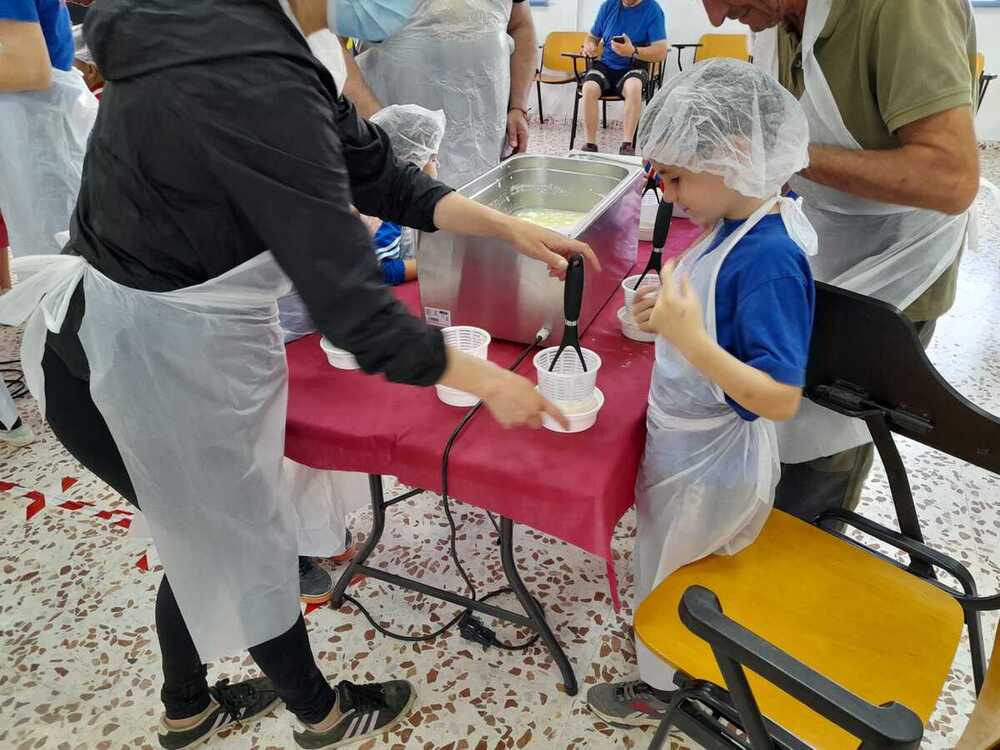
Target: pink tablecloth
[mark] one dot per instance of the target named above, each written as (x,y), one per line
(574,487)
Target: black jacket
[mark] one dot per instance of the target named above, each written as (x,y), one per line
(219,136)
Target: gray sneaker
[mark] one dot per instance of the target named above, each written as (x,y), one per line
(315,584)
(239,704)
(20,435)
(628,704)
(368,711)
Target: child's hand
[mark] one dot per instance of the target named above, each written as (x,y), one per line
(675,314)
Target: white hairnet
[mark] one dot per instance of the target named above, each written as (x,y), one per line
(415,132)
(728,118)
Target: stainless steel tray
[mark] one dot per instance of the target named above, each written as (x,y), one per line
(471,281)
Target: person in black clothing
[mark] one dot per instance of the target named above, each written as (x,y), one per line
(219,138)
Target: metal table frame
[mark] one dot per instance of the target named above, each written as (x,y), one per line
(534,619)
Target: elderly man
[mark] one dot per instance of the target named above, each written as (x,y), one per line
(475,60)
(634,33)
(888,86)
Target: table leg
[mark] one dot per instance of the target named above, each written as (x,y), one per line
(378,527)
(531,607)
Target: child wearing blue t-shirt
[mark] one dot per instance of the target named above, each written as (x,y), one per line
(733,318)
(415,134)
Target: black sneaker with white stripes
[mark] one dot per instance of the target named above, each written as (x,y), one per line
(368,710)
(234,704)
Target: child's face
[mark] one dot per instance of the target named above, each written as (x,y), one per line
(431,167)
(704,196)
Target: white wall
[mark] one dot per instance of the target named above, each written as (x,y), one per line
(686,21)
(988,33)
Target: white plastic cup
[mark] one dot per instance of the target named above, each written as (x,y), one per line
(651,282)
(339,358)
(631,329)
(578,421)
(568,385)
(469,340)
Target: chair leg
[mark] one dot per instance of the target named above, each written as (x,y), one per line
(541,115)
(660,738)
(605,118)
(576,112)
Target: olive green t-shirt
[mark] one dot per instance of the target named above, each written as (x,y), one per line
(890,63)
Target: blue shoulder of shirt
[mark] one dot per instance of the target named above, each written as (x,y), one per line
(18,10)
(765,254)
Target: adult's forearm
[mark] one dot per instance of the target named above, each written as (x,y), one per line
(524,59)
(357,90)
(24,59)
(653,53)
(911,175)
(456,213)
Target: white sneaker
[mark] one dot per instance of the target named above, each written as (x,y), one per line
(20,436)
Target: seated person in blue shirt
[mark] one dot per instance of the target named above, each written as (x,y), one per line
(733,317)
(633,32)
(415,134)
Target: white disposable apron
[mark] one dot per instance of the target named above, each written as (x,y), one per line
(890,252)
(43,138)
(193,387)
(452,55)
(707,480)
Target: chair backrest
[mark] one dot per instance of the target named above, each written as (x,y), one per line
(980,65)
(925,407)
(723,45)
(558,42)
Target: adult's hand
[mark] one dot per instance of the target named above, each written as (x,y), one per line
(625,49)
(590,47)
(456,213)
(512,400)
(517,131)
(552,248)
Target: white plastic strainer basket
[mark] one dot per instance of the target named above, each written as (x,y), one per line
(652,281)
(568,384)
(469,340)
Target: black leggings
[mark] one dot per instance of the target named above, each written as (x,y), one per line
(287,660)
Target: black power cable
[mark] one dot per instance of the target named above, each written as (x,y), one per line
(477,631)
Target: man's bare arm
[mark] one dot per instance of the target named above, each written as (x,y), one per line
(935,167)
(24,57)
(356,88)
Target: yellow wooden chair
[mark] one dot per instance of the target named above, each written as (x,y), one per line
(557,69)
(983,77)
(736,46)
(809,638)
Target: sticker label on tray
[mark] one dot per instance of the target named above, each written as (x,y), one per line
(435,316)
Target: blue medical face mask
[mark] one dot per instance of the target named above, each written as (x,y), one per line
(368,20)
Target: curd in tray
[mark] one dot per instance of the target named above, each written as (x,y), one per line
(556,219)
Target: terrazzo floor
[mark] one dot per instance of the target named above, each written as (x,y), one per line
(79,664)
